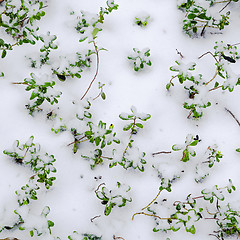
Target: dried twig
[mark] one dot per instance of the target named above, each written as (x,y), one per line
(95,218)
(233,116)
(95,76)
(162,152)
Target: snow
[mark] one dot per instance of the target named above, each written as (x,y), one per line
(72,199)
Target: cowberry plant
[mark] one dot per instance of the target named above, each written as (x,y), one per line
(111,198)
(186,148)
(132,157)
(41,226)
(184,214)
(19,21)
(41,91)
(197,18)
(140,58)
(142,21)
(72,66)
(49,44)
(30,154)
(211,157)
(197,88)
(85,236)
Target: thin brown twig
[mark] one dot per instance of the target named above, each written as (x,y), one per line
(233,116)
(215,88)
(97,69)
(114,237)
(152,200)
(95,218)
(225,6)
(162,152)
(150,215)
(99,187)
(210,54)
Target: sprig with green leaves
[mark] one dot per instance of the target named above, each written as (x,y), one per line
(85,236)
(140,58)
(19,21)
(184,214)
(196,86)
(186,148)
(111,198)
(142,21)
(197,18)
(41,226)
(30,154)
(42,90)
(132,157)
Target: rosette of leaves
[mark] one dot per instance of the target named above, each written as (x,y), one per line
(45,50)
(18,22)
(135,117)
(142,21)
(117,197)
(96,158)
(217,193)
(186,148)
(183,71)
(100,135)
(133,158)
(140,58)
(197,20)
(197,97)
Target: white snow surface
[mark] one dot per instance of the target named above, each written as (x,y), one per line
(72,198)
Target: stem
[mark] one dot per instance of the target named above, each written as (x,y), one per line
(212,77)
(99,187)
(172,79)
(190,113)
(215,88)
(152,200)
(95,218)
(150,215)
(179,53)
(95,76)
(153,154)
(210,54)
(225,6)
(233,116)
(76,141)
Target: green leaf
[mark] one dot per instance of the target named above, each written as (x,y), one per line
(4,53)
(127,127)
(194,143)
(95,32)
(191,16)
(185,157)
(139,125)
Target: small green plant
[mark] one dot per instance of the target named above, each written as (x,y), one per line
(184,214)
(30,154)
(19,21)
(132,157)
(187,147)
(41,91)
(197,18)
(197,88)
(85,236)
(140,58)
(142,21)
(110,198)
(72,66)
